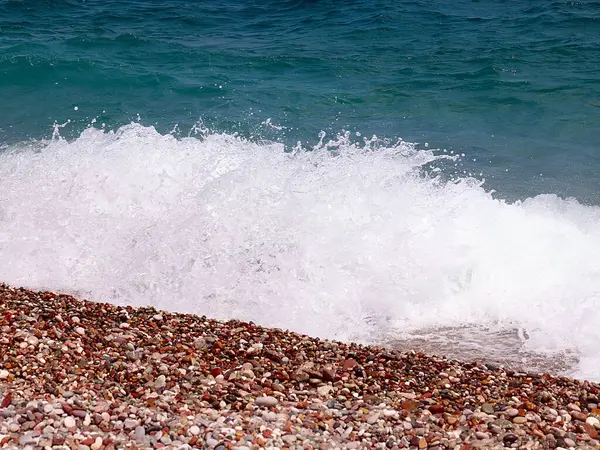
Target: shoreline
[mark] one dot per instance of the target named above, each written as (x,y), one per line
(85,375)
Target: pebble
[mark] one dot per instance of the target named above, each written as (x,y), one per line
(512,412)
(69,422)
(210,442)
(488,408)
(140,433)
(267,401)
(593,422)
(160,382)
(188,382)
(130,424)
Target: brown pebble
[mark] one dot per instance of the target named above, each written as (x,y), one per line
(349,364)
(590,430)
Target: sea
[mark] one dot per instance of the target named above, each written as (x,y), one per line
(419,174)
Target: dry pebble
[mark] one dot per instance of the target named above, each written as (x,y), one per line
(82,375)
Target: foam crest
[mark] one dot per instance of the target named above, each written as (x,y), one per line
(346,241)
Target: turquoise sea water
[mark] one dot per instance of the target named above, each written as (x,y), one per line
(514,85)
(371,170)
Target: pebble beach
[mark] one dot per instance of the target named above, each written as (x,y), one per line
(83,375)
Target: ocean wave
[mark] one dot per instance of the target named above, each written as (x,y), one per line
(343,240)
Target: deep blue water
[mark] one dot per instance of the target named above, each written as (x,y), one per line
(515,85)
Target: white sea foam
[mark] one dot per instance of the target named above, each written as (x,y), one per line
(352,244)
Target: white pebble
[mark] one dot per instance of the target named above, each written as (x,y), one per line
(194,430)
(4,374)
(211,442)
(130,424)
(266,401)
(324,390)
(97,443)
(140,433)
(161,381)
(80,330)
(593,422)
(69,422)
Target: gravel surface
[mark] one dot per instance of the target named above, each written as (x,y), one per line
(83,375)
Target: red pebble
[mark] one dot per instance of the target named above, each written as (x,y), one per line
(349,364)
(6,401)
(591,431)
(216,371)
(328,374)
(67,408)
(436,409)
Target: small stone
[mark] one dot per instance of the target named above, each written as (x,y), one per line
(48,408)
(422,443)
(79,413)
(27,439)
(247,374)
(512,412)
(199,343)
(436,409)
(590,430)
(32,340)
(593,422)
(578,416)
(97,443)
(372,418)
(69,422)
(140,433)
(349,364)
(324,390)
(194,430)
(4,374)
(519,420)
(569,442)
(289,438)
(328,374)
(211,442)
(130,424)
(157,317)
(300,376)
(487,408)
(160,382)
(266,401)
(510,438)
(80,331)
(273,355)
